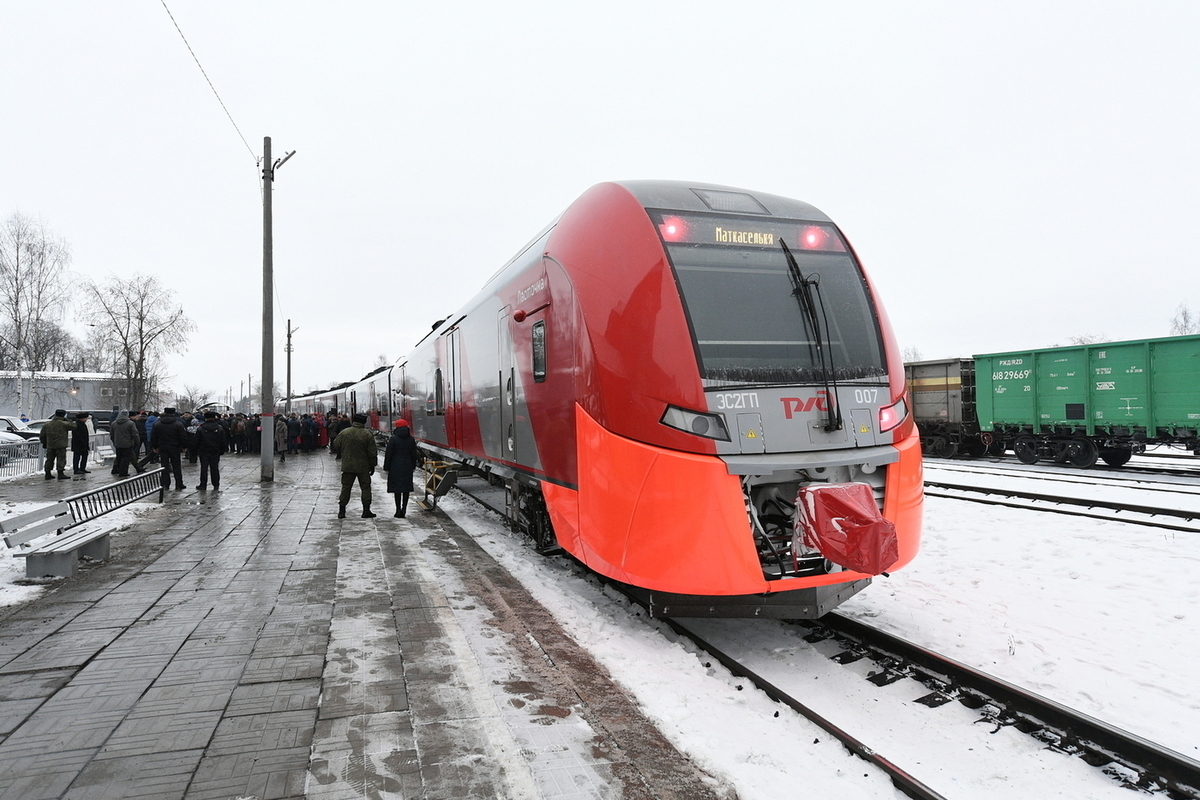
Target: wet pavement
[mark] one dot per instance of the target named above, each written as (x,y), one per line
(247,644)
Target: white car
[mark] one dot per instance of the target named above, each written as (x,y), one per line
(15,425)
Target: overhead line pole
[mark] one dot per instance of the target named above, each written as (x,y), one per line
(268,331)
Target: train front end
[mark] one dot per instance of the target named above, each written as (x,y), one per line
(748,387)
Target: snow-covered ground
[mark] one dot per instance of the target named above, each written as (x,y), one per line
(14,588)
(1101,616)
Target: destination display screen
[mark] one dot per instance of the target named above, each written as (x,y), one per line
(701,229)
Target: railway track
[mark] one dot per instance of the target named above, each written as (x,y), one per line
(1073,506)
(1099,469)
(1127,759)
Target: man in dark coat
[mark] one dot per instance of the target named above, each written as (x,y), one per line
(212,441)
(399,461)
(355,446)
(80,444)
(124,441)
(55,436)
(168,438)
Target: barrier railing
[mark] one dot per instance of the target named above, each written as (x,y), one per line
(18,458)
(89,505)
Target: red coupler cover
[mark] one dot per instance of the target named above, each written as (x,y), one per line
(842,522)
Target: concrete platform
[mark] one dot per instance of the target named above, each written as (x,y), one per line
(247,644)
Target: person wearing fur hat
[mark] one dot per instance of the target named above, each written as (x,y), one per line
(212,441)
(55,437)
(168,438)
(80,444)
(124,435)
(399,460)
(359,455)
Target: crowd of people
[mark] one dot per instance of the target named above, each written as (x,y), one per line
(146,436)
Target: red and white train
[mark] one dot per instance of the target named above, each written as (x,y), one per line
(655,378)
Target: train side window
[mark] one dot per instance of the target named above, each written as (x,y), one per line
(539,352)
(439,393)
(429,396)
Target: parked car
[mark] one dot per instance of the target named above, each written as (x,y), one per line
(8,449)
(15,425)
(36,425)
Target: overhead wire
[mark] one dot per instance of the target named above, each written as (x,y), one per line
(253,155)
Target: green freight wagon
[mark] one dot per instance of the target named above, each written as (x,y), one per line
(1080,403)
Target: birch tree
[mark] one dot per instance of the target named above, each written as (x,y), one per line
(136,324)
(33,288)
(1184,321)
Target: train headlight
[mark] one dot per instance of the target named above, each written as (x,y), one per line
(893,415)
(710,426)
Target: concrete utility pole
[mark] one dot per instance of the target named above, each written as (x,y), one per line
(288,402)
(268,330)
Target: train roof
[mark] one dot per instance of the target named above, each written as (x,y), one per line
(708,197)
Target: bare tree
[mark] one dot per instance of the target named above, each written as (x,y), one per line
(1184,321)
(33,263)
(911,354)
(1088,338)
(136,323)
(192,397)
(49,348)
(381,360)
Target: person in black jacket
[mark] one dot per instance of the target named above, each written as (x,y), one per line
(80,443)
(399,461)
(212,441)
(168,438)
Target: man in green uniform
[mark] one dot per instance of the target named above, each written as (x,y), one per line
(356,448)
(56,437)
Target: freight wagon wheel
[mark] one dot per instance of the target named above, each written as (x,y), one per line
(1025,449)
(1116,456)
(940,446)
(1082,453)
(995,449)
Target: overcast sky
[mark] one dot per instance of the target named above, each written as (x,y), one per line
(1012,174)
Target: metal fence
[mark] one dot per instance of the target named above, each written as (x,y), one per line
(89,505)
(22,458)
(18,458)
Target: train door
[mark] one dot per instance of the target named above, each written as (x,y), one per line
(454,409)
(507,446)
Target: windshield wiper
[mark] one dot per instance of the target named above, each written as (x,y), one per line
(807,292)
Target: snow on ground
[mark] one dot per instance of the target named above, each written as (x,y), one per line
(14,588)
(1101,616)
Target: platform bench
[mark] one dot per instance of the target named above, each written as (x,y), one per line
(52,542)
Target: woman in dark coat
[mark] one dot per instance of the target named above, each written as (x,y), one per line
(399,461)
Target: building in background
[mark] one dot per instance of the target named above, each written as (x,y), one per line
(75,391)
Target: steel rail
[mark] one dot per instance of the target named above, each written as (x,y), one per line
(902,780)
(1072,731)
(1113,477)
(1153,511)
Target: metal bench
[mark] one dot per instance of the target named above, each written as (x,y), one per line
(54,539)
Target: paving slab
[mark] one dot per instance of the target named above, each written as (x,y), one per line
(245,643)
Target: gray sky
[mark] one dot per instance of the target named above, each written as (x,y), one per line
(1011,174)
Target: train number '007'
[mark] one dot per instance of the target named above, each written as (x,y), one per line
(732,400)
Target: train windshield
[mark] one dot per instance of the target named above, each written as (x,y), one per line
(748,320)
